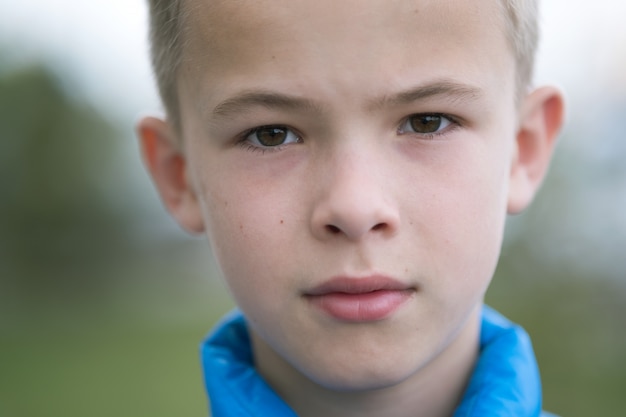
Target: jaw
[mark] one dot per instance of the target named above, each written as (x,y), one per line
(435,387)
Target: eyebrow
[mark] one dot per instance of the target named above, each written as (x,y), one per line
(447,89)
(243,101)
(262,98)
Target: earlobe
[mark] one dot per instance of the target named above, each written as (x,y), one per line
(167,166)
(540,122)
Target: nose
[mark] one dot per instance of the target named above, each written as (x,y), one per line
(354,200)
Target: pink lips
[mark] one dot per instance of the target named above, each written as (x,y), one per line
(360,299)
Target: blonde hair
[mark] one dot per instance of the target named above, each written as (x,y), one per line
(522,29)
(167,30)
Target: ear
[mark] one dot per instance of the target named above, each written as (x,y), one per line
(167,166)
(541,118)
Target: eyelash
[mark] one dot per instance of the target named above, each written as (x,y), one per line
(453,124)
(262,150)
(245,143)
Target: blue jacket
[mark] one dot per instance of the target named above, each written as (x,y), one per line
(505,382)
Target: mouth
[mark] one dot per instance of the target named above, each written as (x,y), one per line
(358,300)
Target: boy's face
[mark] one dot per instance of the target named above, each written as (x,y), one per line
(383,162)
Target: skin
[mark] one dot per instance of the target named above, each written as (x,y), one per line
(354,191)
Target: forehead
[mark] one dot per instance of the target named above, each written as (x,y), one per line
(214,17)
(345,42)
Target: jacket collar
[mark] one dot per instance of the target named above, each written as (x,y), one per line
(505,382)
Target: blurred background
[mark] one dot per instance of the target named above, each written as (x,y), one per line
(104,300)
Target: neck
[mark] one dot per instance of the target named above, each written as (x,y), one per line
(433,391)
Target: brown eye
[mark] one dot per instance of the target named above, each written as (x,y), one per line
(271,136)
(427,123)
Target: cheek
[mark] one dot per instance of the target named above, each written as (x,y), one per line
(248,230)
(468,207)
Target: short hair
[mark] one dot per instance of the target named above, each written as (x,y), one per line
(167,43)
(522,30)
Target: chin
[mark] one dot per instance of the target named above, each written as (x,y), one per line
(365,379)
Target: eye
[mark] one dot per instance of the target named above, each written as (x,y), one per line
(425,124)
(271,136)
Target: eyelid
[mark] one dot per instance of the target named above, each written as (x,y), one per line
(454,123)
(243,139)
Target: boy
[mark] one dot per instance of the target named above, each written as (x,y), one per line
(352,163)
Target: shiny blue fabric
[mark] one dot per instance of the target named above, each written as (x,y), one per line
(505,382)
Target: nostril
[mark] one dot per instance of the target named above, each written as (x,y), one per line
(379,226)
(333,229)
(336,230)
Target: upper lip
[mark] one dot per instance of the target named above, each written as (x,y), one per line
(358,285)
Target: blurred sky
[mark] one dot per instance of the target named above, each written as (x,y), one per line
(99,48)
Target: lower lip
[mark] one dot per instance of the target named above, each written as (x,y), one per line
(362,307)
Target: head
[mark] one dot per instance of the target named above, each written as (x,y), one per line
(377,147)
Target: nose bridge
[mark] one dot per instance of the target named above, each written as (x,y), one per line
(353,177)
(354,196)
